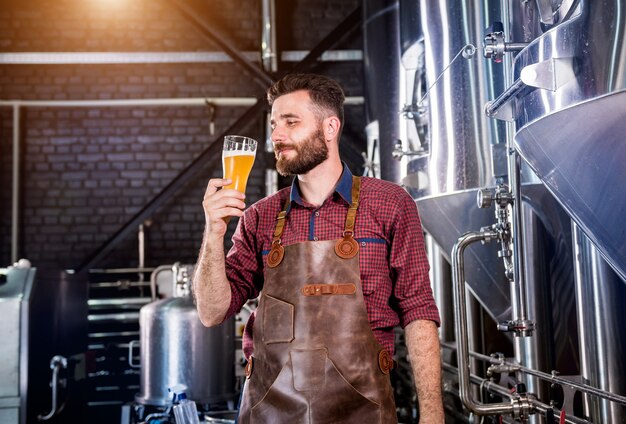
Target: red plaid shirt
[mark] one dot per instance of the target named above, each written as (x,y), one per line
(393,263)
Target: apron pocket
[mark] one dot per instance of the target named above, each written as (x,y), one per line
(309,369)
(281,404)
(336,401)
(340,402)
(278,318)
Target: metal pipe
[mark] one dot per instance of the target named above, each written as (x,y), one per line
(153,283)
(536,352)
(496,389)
(270,64)
(118,302)
(492,107)
(111,58)
(190,101)
(551,378)
(56,364)
(458,279)
(15,201)
(120,317)
(515,47)
(518,292)
(141,238)
(268,36)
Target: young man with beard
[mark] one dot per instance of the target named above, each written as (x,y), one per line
(337,262)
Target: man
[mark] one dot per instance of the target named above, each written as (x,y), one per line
(340,261)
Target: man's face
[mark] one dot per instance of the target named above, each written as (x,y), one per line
(297,134)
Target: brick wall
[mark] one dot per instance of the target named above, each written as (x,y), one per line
(87,171)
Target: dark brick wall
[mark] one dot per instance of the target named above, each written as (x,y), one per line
(87,171)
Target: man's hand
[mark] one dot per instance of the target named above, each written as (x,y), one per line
(220,205)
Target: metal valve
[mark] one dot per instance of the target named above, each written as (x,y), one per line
(521,328)
(484,198)
(495,45)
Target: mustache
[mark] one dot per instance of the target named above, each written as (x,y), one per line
(280,145)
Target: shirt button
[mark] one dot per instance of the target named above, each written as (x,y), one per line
(363,243)
(314,238)
(317,213)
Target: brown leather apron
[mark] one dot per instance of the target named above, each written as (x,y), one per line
(315,357)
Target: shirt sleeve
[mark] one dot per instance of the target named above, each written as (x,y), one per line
(409,266)
(244,263)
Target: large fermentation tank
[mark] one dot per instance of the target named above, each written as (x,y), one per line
(560,82)
(177,349)
(382,64)
(461,149)
(569,115)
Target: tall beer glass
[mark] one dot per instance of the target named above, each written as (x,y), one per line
(237,160)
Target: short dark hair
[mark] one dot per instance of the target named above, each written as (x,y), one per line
(326,93)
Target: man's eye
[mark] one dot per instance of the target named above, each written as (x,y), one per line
(291,123)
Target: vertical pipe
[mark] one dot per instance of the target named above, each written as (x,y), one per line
(522,348)
(601,321)
(474,336)
(270,64)
(15,223)
(460,306)
(518,293)
(536,352)
(268,36)
(142,247)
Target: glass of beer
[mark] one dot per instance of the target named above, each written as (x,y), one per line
(237,160)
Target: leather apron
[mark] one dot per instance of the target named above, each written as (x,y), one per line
(315,358)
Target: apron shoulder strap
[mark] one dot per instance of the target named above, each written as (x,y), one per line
(347,247)
(275,256)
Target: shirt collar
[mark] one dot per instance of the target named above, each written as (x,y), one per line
(343,188)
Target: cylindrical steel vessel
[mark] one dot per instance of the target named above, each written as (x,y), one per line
(381,40)
(177,349)
(569,119)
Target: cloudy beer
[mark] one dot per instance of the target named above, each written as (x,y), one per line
(237,160)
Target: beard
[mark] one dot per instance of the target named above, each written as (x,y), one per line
(310,152)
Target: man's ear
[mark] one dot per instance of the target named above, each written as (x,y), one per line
(331,127)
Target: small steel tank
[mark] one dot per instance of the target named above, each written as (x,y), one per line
(177,349)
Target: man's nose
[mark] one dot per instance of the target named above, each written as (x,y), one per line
(278,134)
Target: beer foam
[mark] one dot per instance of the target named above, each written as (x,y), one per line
(230,153)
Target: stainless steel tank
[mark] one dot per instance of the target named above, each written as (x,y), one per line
(462,149)
(568,103)
(177,349)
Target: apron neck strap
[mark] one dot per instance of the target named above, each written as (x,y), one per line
(350,217)
(280,221)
